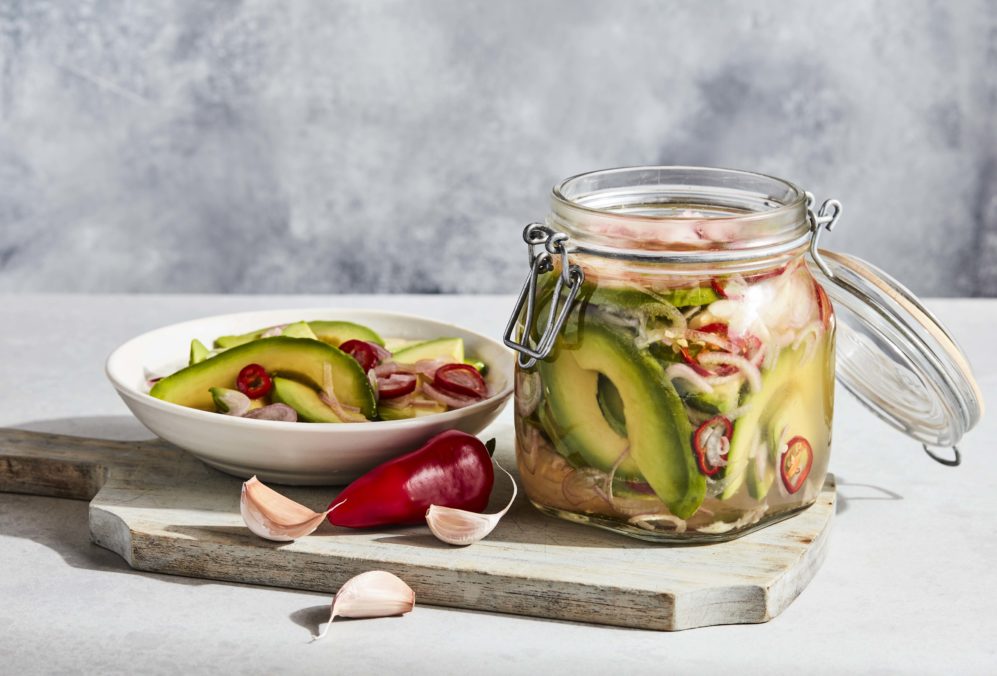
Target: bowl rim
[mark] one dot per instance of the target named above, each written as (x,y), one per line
(145,399)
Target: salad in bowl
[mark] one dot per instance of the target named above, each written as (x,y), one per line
(325,371)
(310,397)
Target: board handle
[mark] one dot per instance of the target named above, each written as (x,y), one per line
(63,466)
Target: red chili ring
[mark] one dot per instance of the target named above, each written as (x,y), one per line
(254,381)
(795,446)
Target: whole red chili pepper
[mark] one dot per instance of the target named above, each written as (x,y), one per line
(453,469)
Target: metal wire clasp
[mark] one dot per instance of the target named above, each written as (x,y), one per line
(824,218)
(541,262)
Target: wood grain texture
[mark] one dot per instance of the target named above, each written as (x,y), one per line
(163,511)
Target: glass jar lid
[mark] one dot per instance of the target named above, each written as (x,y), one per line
(894,355)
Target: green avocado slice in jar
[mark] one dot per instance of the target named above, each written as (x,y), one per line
(657,442)
(792,399)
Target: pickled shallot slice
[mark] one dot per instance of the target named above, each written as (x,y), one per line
(749,370)
(344,412)
(686,373)
(277,412)
(447,399)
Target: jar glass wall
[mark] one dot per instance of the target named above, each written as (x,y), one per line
(688,395)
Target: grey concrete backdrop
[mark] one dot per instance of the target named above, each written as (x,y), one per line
(400,146)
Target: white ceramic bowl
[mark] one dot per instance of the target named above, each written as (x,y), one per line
(295,453)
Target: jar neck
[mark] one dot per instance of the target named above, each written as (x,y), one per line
(681,215)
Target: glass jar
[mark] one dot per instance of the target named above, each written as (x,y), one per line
(677,366)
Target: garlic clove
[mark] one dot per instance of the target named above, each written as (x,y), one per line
(275,517)
(461,527)
(376,593)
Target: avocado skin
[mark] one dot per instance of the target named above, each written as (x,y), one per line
(658,431)
(299,358)
(304,400)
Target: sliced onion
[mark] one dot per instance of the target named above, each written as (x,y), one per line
(528,392)
(428,367)
(583,484)
(344,412)
(382,354)
(274,331)
(372,379)
(424,403)
(688,374)
(391,367)
(449,400)
(749,370)
(279,412)
(403,401)
(397,385)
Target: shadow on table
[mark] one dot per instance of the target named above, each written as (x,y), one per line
(849,492)
(111,427)
(62,525)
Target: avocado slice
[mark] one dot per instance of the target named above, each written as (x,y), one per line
(198,352)
(761,467)
(337,332)
(449,349)
(725,397)
(658,431)
(299,330)
(797,394)
(302,359)
(406,412)
(304,400)
(333,332)
(697,295)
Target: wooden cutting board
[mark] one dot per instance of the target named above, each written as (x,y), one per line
(164,511)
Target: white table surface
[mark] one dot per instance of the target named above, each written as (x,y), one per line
(908,586)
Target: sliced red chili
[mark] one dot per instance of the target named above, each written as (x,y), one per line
(762,276)
(716,328)
(796,463)
(254,381)
(718,288)
(705,435)
(823,305)
(364,352)
(461,379)
(395,385)
(693,364)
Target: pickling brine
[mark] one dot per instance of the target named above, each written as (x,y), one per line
(695,410)
(678,402)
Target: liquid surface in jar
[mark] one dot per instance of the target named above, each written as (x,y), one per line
(695,410)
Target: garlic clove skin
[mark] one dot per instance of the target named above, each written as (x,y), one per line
(461,527)
(275,517)
(376,593)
